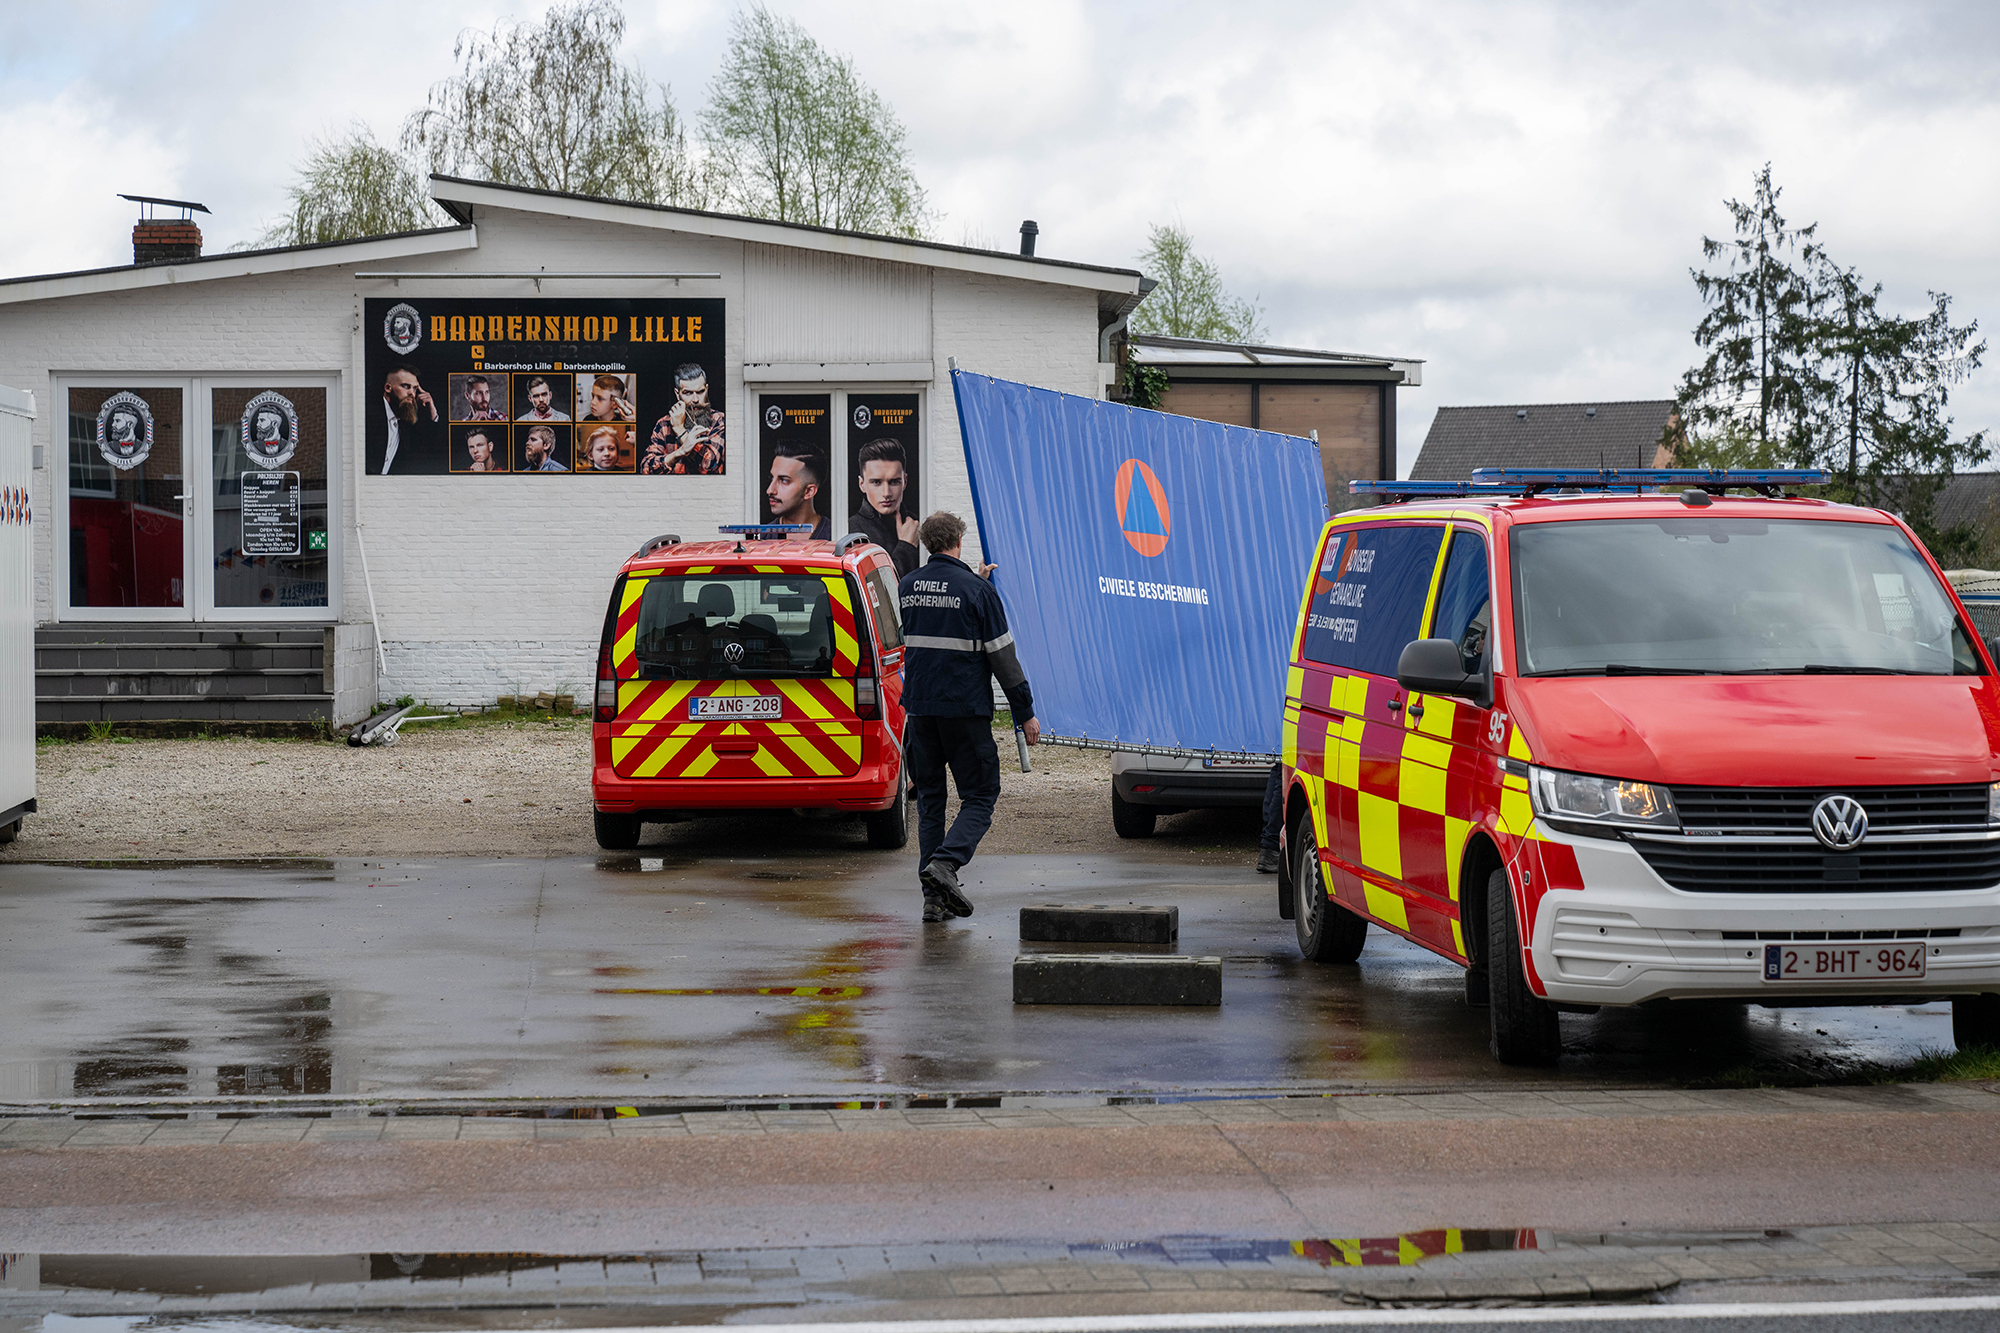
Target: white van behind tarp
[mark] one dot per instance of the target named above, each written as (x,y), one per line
(17,613)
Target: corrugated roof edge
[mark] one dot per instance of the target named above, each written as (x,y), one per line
(1202,345)
(942,246)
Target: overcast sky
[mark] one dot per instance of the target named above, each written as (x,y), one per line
(1512,193)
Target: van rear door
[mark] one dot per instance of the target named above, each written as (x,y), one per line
(740,673)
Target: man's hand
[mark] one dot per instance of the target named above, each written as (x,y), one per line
(1032,731)
(678,415)
(425,399)
(986,571)
(906,529)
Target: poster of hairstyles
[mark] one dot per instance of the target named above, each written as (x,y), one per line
(881,480)
(795,455)
(546,374)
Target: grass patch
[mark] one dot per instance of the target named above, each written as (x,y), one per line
(1974,1063)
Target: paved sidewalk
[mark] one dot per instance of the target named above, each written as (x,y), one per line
(1238,1204)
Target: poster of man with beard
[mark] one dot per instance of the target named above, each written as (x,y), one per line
(404,433)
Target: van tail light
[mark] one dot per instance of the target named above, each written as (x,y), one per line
(867,698)
(607,686)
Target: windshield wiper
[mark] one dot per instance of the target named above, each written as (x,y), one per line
(1822,669)
(1623,669)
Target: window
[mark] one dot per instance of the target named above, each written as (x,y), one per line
(1368,598)
(734,626)
(1730,596)
(882,596)
(1465,599)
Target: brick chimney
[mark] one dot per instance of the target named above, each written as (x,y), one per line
(164,240)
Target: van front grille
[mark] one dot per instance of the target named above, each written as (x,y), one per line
(1726,865)
(1789,809)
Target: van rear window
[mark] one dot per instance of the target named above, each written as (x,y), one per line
(733,626)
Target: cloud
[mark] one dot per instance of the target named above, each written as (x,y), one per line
(1514,193)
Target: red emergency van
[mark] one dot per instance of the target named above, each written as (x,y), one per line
(758,672)
(1615,748)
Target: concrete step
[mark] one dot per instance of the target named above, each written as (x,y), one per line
(172,683)
(1117,978)
(1063,923)
(292,635)
(185,708)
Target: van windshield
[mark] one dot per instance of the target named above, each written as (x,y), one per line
(733,626)
(1729,596)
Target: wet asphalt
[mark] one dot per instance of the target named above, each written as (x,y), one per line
(693,971)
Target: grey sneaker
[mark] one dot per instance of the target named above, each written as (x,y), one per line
(935,910)
(941,881)
(1267,863)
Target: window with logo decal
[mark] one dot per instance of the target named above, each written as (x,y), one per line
(733,625)
(1368,596)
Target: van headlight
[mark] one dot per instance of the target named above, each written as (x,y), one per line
(1993,804)
(1578,803)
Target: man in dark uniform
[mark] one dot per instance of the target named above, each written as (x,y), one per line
(956,641)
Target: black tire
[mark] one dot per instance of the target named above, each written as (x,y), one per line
(890,829)
(1129,820)
(1524,1026)
(1975,1021)
(1328,932)
(616,833)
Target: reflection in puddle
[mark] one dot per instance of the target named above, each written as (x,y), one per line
(1363,1252)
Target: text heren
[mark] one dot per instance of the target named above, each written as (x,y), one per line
(1153,592)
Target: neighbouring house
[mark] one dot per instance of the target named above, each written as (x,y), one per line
(1634,433)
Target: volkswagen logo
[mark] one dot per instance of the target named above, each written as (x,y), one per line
(732,653)
(1840,822)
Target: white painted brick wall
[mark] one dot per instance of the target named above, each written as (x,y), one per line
(501,587)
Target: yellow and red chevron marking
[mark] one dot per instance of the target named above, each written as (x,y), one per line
(817,736)
(625,639)
(846,643)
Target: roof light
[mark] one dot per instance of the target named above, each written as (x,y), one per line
(1524,481)
(765,531)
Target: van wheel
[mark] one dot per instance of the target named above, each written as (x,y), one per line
(890,829)
(1975,1021)
(1129,820)
(1328,932)
(616,833)
(1524,1026)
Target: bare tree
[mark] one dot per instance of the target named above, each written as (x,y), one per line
(551,106)
(796,135)
(1190,301)
(352,186)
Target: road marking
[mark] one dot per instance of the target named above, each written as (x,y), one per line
(1563,1314)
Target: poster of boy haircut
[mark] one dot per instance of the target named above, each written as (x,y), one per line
(432,365)
(794,452)
(881,475)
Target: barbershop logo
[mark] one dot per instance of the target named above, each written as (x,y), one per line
(402,328)
(125,430)
(862,416)
(1143,515)
(270,430)
(774,417)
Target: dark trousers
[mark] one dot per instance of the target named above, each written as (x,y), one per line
(965,746)
(1274,810)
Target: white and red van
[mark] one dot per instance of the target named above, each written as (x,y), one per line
(1612,749)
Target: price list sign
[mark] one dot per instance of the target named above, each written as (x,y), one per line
(270,513)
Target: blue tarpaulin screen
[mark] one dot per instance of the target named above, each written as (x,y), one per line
(1151,564)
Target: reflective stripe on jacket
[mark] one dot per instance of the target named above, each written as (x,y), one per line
(957,641)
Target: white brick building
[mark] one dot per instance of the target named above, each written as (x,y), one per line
(476,587)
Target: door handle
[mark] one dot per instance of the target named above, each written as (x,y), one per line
(1395,705)
(1416,710)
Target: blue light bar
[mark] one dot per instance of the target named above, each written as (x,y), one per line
(1582,477)
(771,531)
(1416,488)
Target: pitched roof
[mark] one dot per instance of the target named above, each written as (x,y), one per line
(1969,497)
(1616,434)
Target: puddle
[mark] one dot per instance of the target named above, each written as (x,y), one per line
(1400,1251)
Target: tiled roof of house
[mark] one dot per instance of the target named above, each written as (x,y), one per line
(1619,434)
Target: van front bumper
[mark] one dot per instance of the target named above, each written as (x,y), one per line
(1627,937)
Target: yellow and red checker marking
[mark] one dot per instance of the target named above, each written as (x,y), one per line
(1407,793)
(818,735)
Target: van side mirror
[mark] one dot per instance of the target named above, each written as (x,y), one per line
(1433,666)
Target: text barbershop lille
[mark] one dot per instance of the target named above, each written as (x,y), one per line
(565,328)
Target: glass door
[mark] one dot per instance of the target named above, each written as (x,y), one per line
(127,502)
(266,537)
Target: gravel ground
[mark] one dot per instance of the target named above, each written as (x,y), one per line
(487,789)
